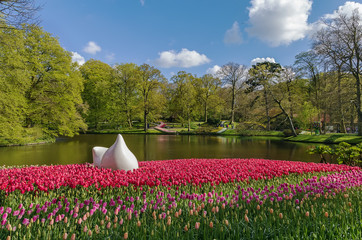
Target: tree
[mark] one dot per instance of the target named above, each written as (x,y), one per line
(281,94)
(326,45)
(261,75)
(184,97)
(341,36)
(206,88)
(55,85)
(16,12)
(97,92)
(233,76)
(14,81)
(307,64)
(150,83)
(126,77)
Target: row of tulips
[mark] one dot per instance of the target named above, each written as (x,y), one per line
(310,205)
(154,173)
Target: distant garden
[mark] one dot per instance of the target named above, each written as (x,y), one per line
(43,94)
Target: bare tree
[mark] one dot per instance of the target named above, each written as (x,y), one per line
(16,12)
(341,37)
(233,75)
(326,44)
(281,94)
(308,64)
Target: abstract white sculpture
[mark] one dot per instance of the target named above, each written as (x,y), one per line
(118,156)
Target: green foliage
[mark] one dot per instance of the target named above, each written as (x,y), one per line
(150,89)
(39,86)
(325,153)
(126,78)
(288,132)
(54,95)
(184,97)
(207,98)
(14,80)
(344,153)
(349,154)
(97,88)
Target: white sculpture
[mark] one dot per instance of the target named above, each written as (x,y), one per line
(118,156)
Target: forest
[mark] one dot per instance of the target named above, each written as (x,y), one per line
(44,94)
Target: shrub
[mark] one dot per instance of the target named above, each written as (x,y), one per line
(344,153)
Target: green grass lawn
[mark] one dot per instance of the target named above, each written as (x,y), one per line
(327,138)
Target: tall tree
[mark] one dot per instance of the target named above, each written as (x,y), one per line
(281,92)
(97,92)
(326,45)
(54,93)
(17,12)
(126,77)
(206,88)
(184,97)
(343,37)
(14,81)
(262,75)
(150,83)
(233,76)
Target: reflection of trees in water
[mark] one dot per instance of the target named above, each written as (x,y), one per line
(157,147)
(146,149)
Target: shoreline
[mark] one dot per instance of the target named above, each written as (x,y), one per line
(327,139)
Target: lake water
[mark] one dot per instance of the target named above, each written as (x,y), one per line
(156,147)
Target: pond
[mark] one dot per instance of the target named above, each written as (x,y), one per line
(156,147)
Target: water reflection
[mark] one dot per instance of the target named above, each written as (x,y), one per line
(156,147)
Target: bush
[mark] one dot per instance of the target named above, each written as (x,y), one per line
(344,153)
(288,132)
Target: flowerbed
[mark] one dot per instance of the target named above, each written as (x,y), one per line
(191,199)
(154,173)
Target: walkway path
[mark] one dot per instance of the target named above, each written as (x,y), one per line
(161,128)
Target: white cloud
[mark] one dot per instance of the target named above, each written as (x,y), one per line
(76,57)
(185,58)
(233,35)
(110,57)
(142,2)
(260,60)
(213,70)
(279,22)
(346,9)
(92,48)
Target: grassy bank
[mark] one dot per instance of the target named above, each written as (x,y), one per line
(28,138)
(124,131)
(333,138)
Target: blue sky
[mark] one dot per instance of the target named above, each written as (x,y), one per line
(196,36)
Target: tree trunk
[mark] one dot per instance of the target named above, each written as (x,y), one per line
(232,105)
(358,104)
(205,112)
(189,124)
(290,101)
(267,109)
(288,116)
(340,108)
(129,119)
(145,120)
